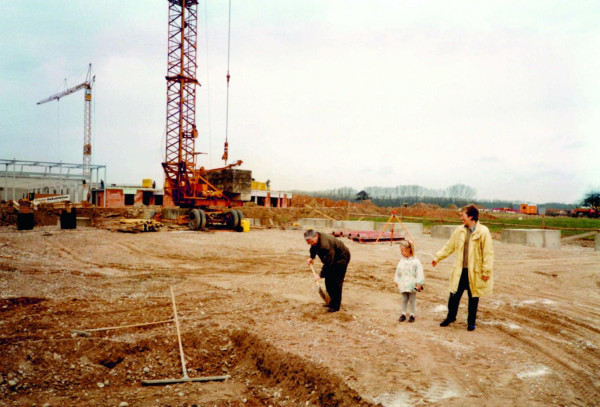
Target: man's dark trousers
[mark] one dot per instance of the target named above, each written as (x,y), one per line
(454,299)
(333,283)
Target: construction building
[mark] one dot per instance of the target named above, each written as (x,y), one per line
(262,195)
(43,179)
(120,196)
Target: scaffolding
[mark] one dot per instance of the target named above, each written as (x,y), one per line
(47,177)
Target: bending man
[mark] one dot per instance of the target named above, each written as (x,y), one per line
(472,269)
(335,257)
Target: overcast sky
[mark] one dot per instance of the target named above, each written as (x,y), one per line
(503,96)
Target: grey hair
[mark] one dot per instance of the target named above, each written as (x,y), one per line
(309,234)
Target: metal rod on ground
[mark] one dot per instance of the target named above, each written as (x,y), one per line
(185,377)
(87,332)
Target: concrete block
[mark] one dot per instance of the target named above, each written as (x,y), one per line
(84,222)
(442,231)
(315,223)
(253,221)
(234,181)
(353,225)
(549,239)
(552,239)
(597,242)
(415,229)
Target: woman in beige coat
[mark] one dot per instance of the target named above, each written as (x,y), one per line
(472,269)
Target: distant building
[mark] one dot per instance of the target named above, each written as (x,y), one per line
(262,195)
(44,179)
(122,196)
(505,210)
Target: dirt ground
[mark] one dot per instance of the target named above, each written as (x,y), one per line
(248,308)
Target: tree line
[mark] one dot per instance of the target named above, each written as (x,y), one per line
(408,195)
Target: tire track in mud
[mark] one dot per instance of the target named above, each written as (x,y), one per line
(578,382)
(434,379)
(556,329)
(550,339)
(59,251)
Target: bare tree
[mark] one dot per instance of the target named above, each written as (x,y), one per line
(461,191)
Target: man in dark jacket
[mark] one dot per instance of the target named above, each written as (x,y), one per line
(335,257)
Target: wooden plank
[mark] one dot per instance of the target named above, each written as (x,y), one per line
(566,239)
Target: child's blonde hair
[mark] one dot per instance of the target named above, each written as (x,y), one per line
(409,244)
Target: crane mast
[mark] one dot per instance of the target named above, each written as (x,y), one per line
(87,116)
(181,133)
(205,192)
(187,185)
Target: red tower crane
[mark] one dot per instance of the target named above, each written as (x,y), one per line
(206,192)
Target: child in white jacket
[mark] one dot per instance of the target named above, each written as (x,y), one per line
(409,278)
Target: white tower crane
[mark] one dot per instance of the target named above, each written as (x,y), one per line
(87,116)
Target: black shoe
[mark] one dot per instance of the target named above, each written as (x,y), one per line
(402,318)
(471,327)
(329,309)
(411,319)
(447,322)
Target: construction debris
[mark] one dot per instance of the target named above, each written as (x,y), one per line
(139,225)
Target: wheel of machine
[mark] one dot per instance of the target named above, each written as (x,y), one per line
(202,219)
(232,218)
(195,219)
(240,218)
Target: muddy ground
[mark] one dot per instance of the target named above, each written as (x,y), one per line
(248,308)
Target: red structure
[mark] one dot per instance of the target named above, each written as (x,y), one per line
(205,192)
(188,186)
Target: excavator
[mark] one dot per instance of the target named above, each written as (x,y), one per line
(212,196)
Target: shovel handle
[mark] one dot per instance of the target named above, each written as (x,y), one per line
(313,271)
(316,275)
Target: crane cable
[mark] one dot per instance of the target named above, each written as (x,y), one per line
(208,85)
(226,152)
